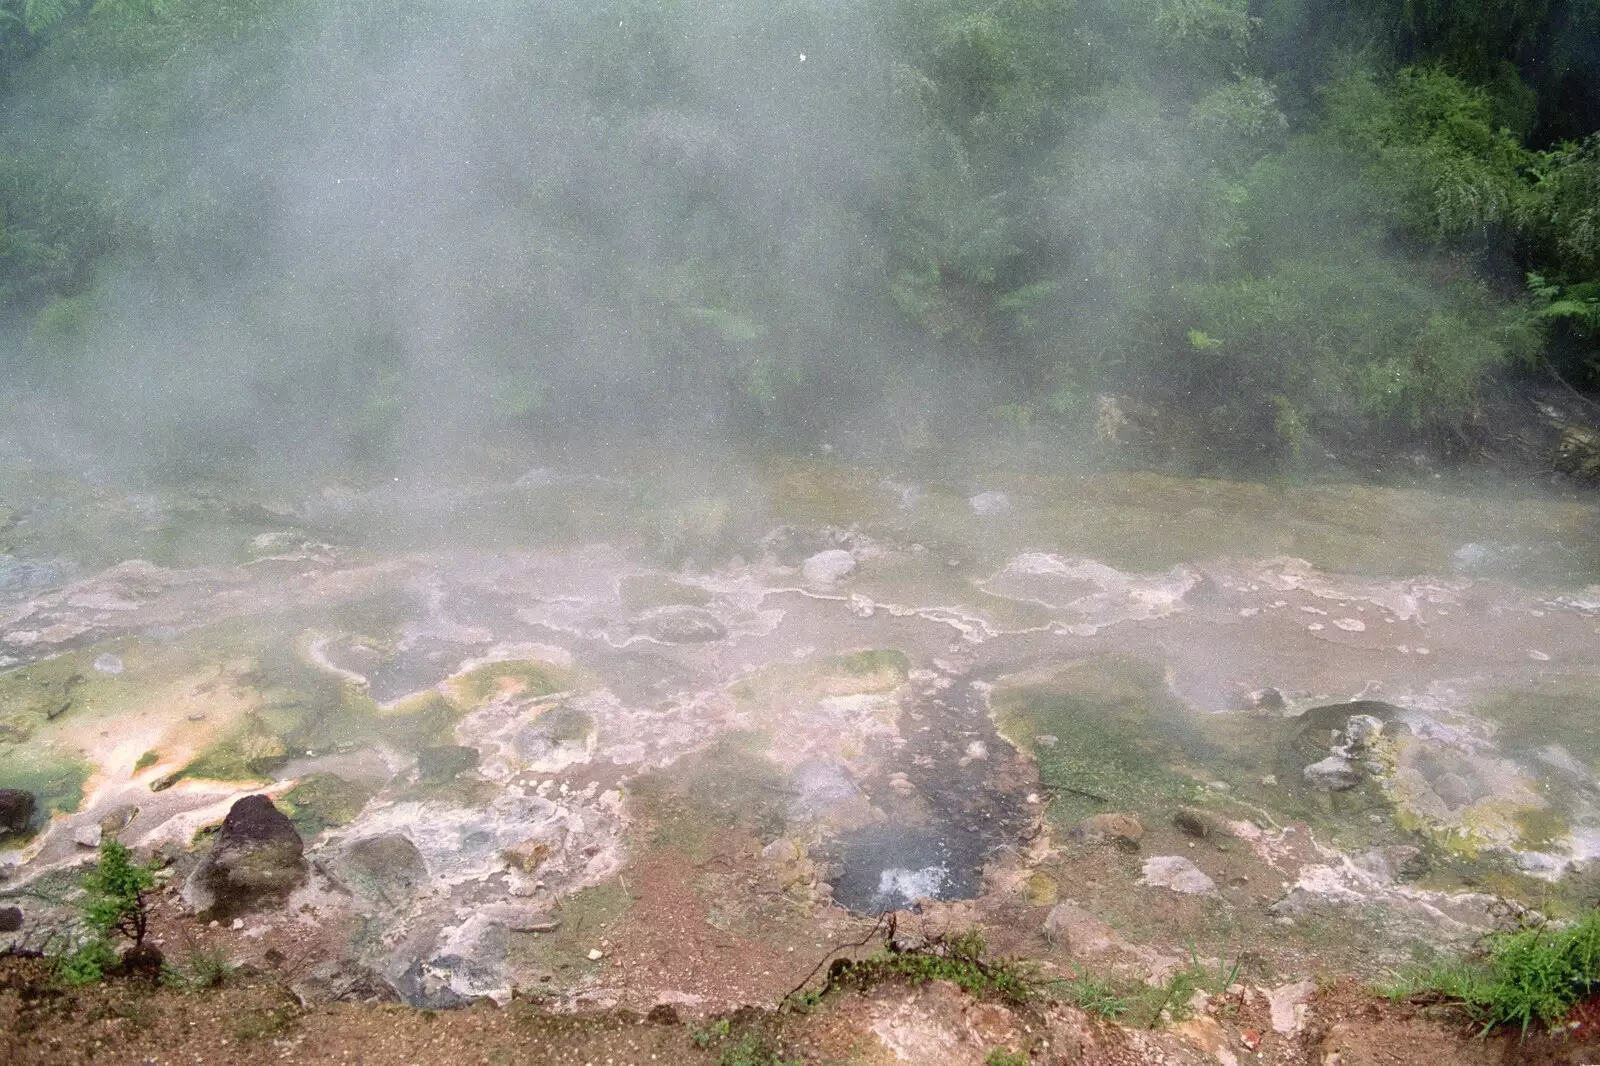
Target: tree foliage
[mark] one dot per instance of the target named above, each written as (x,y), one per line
(114,909)
(772,214)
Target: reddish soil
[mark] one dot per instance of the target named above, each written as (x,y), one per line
(252,1021)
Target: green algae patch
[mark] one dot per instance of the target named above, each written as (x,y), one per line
(1539,830)
(1564,711)
(694,805)
(250,752)
(523,678)
(584,918)
(35,695)
(322,801)
(789,685)
(882,667)
(147,760)
(641,592)
(1107,736)
(56,778)
(417,721)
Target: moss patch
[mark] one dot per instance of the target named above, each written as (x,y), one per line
(55,777)
(147,760)
(35,695)
(796,684)
(585,917)
(883,665)
(323,800)
(515,677)
(249,753)
(1114,738)
(693,804)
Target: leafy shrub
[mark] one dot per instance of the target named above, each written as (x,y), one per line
(1527,975)
(960,959)
(114,908)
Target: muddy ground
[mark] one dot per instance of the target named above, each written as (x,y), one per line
(604,744)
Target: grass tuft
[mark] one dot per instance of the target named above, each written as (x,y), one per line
(1535,973)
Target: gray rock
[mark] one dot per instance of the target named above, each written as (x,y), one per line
(826,568)
(88,836)
(1178,874)
(257,860)
(108,664)
(342,981)
(560,734)
(1333,774)
(989,504)
(470,962)
(1387,864)
(1358,734)
(387,868)
(1115,826)
(1265,699)
(17,808)
(1075,930)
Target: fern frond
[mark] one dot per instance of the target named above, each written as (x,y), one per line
(40,15)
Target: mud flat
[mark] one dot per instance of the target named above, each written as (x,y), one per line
(676,767)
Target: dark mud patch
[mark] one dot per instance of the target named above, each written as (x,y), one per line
(955,794)
(890,867)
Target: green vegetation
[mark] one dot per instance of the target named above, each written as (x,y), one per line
(879,661)
(519,677)
(751,1046)
(1172,997)
(1277,225)
(1114,738)
(1519,977)
(1001,1056)
(958,958)
(322,800)
(1096,995)
(55,777)
(204,968)
(114,909)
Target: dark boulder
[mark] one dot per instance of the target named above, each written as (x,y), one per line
(257,860)
(10,919)
(145,961)
(16,810)
(444,762)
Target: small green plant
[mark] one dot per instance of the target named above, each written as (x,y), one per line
(959,958)
(114,908)
(751,1047)
(1093,994)
(718,1030)
(1004,1056)
(1215,982)
(1534,973)
(1173,996)
(206,968)
(264,1024)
